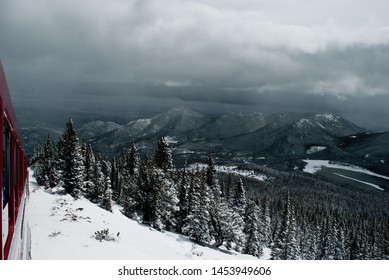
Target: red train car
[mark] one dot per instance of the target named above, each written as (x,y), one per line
(15,234)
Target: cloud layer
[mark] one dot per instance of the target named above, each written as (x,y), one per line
(204,51)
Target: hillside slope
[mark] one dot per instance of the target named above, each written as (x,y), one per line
(64,229)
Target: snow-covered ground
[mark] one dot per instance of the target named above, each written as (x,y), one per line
(315,165)
(63,228)
(244,173)
(251,174)
(315,149)
(363,182)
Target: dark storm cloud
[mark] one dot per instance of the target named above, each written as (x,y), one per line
(257,55)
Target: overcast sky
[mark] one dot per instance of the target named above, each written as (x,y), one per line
(263,55)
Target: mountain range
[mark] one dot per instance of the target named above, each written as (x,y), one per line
(243,137)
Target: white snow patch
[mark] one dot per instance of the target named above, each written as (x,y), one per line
(329,116)
(302,122)
(315,165)
(171,139)
(315,149)
(251,174)
(353,136)
(140,124)
(363,182)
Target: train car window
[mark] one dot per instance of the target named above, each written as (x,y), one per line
(6,163)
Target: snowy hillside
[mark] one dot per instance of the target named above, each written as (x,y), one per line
(95,128)
(64,228)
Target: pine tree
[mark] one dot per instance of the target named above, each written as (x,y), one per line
(132,161)
(50,170)
(106,197)
(340,250)
(265,222)
(165,201)
(239,198)
(73,171)
(210,171)
(89,163)
(96,185)
(147,192)
(309,244)
(45,165)
(228,192)
(117,180)
(183,203)
(285,244)
(131,199)
(163,155)
(253,244)
(197,222)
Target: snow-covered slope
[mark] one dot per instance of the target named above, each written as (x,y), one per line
(95,128)
(232,124)
(64,228)
(178,119)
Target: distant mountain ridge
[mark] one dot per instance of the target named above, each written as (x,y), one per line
(232,136)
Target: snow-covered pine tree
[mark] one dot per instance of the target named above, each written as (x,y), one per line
(165,201)
(265,222)
(228,192)
(132,160)
(340,250)
(96,185)
(239,198)
(163,155)
(114,176)
(183,203)
(73,171)
(226,225)
(329,240)
(106,197)
(253,244)
(197,222)
(60,162)
(285,245)
(117,180)
(147,192)
(50,164)
(37,165)
(44,165)
(89,163)
(210,171)
(235,238)
(309,241)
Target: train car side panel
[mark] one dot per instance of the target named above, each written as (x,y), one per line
(13,179)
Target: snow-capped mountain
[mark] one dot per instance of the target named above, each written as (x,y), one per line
(175,120)
(95,128)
